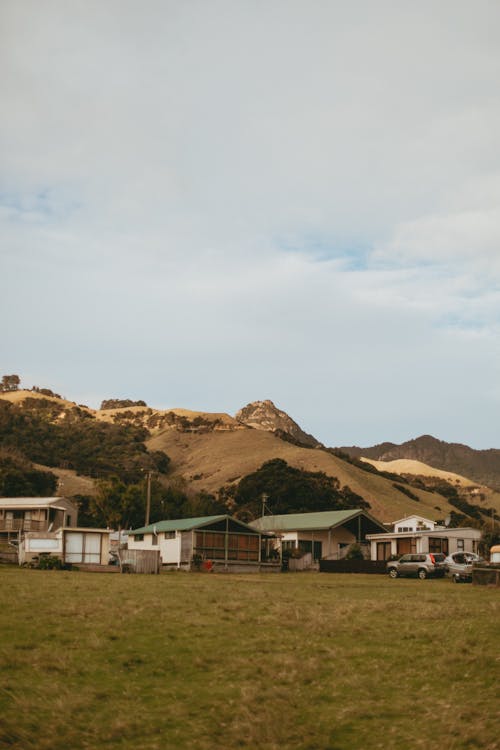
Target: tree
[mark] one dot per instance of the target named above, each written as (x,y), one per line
(118,505)
(10,383)
(291,490)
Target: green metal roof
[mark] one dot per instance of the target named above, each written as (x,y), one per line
(178,524)
(310,521)
(186,524)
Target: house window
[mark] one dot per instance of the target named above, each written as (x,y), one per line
(438,544)
(460,545)
(213,545)
(169,535)
(154,539)
(307,546)
(138,537)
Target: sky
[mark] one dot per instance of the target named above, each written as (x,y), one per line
(205,203)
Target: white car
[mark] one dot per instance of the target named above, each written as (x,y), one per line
(459,566)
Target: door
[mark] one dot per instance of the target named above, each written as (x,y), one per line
(404,546)
(408,565)
(92,548)
(383,550)
(74,548)
(83,547)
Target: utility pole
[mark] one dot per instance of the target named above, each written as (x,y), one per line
(149,474)
(264,498)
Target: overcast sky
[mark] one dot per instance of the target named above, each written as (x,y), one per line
(208,203)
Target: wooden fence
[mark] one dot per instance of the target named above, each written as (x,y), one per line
(486,575)
(139,560)
(11,558)
(352,566)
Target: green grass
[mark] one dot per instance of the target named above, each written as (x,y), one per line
(205,662)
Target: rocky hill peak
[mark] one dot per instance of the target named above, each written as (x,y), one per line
(264,415)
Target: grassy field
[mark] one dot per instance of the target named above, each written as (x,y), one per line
(205,662)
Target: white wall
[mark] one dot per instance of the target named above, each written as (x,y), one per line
(170,551)
(412,524)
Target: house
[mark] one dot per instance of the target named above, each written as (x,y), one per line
(323,535)
(81,546)
(219,542)
(413,523)
(19,515)
(415,534)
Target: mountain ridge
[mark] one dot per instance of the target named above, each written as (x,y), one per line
(212,452)
(482,466)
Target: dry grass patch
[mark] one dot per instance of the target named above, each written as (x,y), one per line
(308,662)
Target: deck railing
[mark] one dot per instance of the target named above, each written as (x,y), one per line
(22,524)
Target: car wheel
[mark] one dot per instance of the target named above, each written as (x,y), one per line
(422,573)
(393,573)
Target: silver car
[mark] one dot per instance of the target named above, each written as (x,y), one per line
(423,565)
(459,566)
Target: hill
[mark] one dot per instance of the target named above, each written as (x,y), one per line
(193,452)
(481,466)
(212,460)
(264,415)
(407,466)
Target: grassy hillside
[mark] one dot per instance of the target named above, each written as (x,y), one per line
(207,451)
(211,460)
(418,468)
(482,466)
(480,495)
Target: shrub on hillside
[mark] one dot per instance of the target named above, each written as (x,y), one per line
(120,403)
(49,433)
(289,490)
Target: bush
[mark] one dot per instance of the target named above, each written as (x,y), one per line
(354,552)
(51,562)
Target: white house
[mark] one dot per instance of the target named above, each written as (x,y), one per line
(415,534)
(80,546)
(413,523)
(208,542)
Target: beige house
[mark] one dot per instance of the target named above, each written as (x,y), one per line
(19,515)
(326,535)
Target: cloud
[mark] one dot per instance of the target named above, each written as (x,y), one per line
(238,200)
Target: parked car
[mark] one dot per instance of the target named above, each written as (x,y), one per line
(421,565)
(459,566)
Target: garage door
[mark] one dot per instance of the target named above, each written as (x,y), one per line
(83,547)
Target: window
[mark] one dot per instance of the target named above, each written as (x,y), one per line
(138,537)
(169,535)
(213,545)
(306,546)
(460,545)
(438,544)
